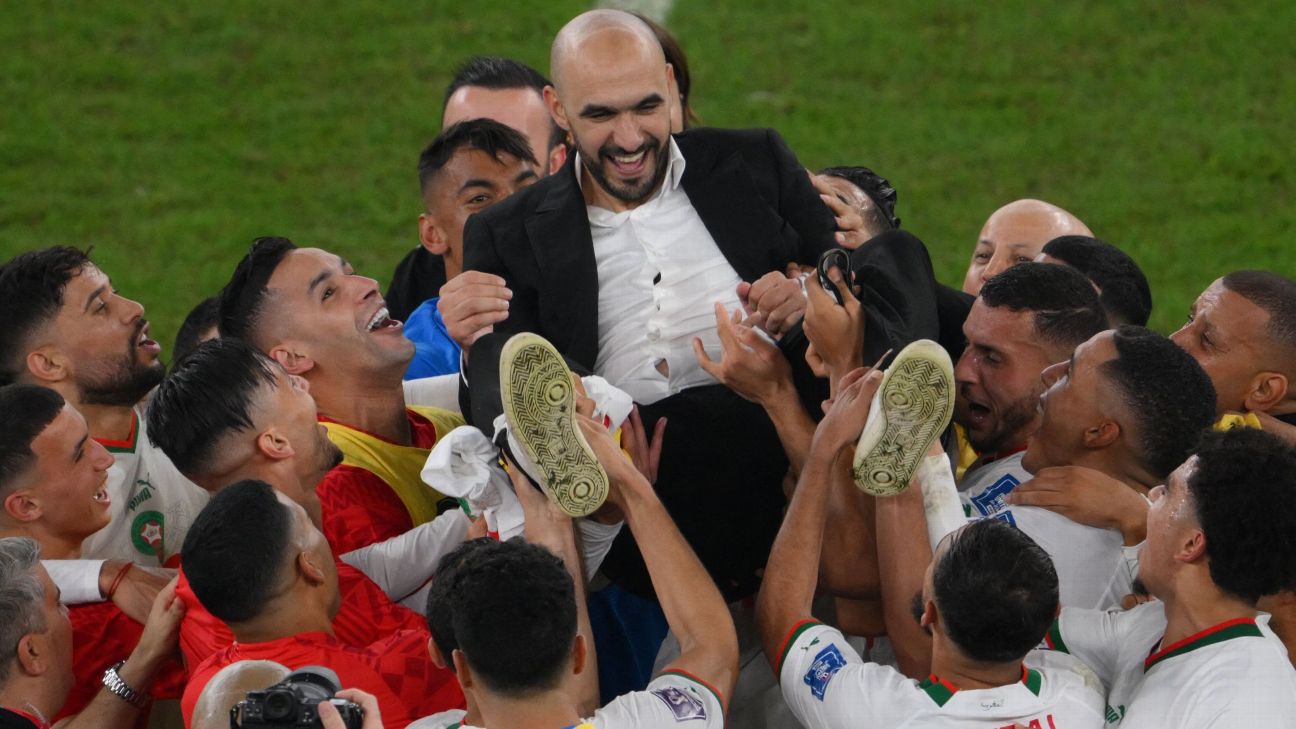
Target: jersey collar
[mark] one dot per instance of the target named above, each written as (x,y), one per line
(941,691)
(123,446)
(1228,630)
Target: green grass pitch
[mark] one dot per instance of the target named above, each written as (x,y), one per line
(169,135)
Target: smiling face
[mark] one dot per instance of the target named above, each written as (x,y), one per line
(102,338)
(336,321)
(998,377)
(1072,405)
(66,490)
(1225,333)
(470,182)
(613,94)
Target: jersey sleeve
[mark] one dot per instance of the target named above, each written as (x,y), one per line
(673,699)
(1093,636)
(827,684)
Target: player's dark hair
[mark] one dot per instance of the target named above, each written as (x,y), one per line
(515,616)
(1167,392)
(493,72)
(1242,490)
(31,294)
(1123,289)
(996,590)
(440,599)
(28,410)
(877,187)
(204,316)
(1065,306)
(1277,296)
(488,135)
(234,553)
(679,62)
(208,396)
(242,301)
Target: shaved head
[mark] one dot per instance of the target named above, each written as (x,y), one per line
(230,686)
(597,32)
(613,93)
(1017,233)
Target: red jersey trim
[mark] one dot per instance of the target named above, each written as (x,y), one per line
(796,631)
(1227,630)
(685,674)
(123,446)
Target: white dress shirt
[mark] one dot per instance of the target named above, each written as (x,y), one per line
(660,274)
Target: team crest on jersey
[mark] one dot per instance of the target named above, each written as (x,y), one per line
(682,704)
(147,531)
(825,666)
(991,501)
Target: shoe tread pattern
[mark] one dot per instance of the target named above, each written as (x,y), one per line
(539,404)
(917,400)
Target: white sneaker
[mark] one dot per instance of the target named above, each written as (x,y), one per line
(539,407)
(909,411)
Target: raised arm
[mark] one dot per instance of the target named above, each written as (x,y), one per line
(694,609)
(158,643)
(792,571)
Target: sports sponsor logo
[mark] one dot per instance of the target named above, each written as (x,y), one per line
(825,666)
(683,705)
(147,532)
(991,501)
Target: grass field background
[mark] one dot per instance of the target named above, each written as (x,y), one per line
(169,135)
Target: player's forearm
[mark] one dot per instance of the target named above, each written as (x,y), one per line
(848,566)
(109,711)
(788,588)
(403,564)
(694,608)
(902,536)
(793,424)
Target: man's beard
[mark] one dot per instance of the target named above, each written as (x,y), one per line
(594,165)
(1015,417)
(121,383)
(330,455)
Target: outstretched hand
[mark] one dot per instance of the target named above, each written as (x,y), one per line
(1086,496)
(845,418)
(836,332)
(471,304)
(851,232)
(749,365)
(644,451)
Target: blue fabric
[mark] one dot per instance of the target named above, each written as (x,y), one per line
(435,353)
(628,632)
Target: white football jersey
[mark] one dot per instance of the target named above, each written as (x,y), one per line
(152,504)
(1089,561)
(1236,674)
(828,685)
(673,699)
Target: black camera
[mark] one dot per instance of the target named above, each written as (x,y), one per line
(294,702)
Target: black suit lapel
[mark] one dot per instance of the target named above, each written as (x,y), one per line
(560,239)
(729,204)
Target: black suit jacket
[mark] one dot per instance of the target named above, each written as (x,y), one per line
(746,185)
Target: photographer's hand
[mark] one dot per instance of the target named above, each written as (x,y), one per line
(331,719)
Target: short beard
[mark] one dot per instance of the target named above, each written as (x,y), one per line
(1015,417)
(125,386)
(593,165)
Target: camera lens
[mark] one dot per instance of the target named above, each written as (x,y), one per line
(280,705)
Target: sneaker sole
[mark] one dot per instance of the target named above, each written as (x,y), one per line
(917,400)
(539,405)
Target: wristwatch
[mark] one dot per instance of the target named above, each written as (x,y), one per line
(122,690)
